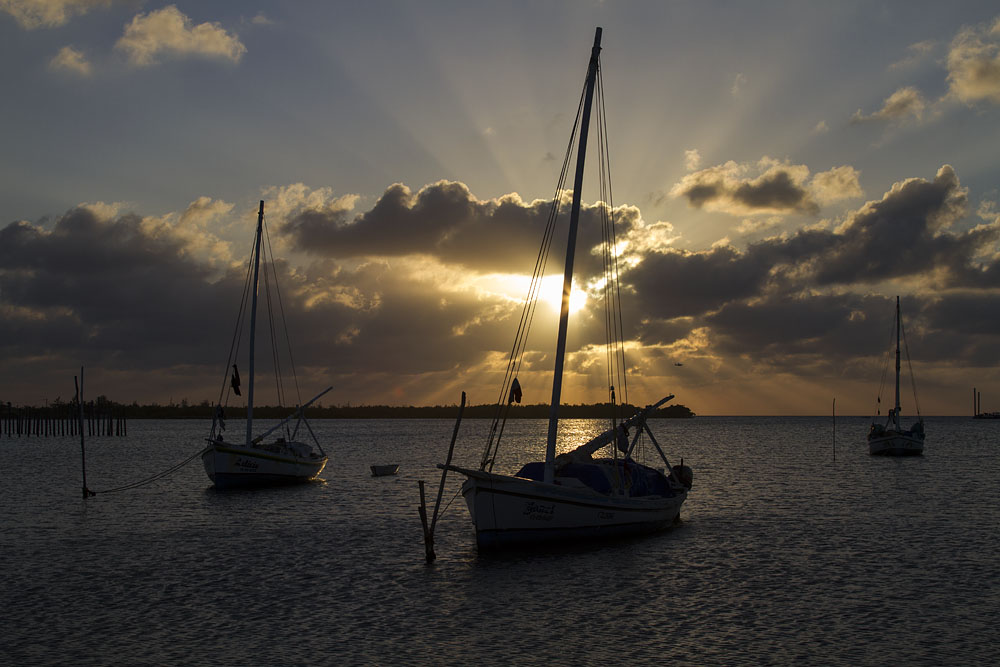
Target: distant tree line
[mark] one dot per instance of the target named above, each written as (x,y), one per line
(185,410)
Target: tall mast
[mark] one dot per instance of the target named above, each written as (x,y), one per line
(574,221)
(253,320)
(895,414)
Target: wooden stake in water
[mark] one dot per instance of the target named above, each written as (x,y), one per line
(83,453)
(834,429)
(429,530)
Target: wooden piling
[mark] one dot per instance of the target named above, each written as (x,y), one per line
(429,530)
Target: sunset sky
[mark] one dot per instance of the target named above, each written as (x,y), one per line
(782,171)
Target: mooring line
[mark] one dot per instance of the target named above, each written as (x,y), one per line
(155,477)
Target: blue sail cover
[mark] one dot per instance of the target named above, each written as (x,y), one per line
(640,480)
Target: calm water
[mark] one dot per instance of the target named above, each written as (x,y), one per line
(784,555)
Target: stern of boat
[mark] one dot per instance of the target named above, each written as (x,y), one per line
(514,510)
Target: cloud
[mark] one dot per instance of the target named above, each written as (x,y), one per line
(150,298)
(974,64)
(903,234)
(901,106)
(818,330)
(71,60)
(738,82)
(780,188)
(132,295)
(916,53)
(752,226)
(692,159)
(698,282)
(168,32)
(838,183)
(906,235)
(110,284)
(446,221)
(820,128)
(32,14)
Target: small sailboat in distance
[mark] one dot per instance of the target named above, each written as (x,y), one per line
(575,494)
(891,439)
(261,459)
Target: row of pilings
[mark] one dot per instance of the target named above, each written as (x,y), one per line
(99,419)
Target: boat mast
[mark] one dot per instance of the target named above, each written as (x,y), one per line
(895,415)
(574,221)
(253,321)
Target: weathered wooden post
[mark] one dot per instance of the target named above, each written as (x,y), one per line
(429,530)
(83,454)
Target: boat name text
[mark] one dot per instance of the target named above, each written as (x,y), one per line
(248,464)
(538,512)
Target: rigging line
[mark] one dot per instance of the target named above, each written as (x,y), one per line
(155,477)
(909,365)
(450,502)
(268,276)
(238,332)
(531,301)
(606,165)
(885,368)
(284,321)
(528,312)
(610,377)
(614,321)
(604,237)
(226,388)
(520,338)
(270,323)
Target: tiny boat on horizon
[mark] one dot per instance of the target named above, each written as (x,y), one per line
(891,439)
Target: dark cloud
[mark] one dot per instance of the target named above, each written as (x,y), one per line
(776,191)
(677,283)
(120,288)
(109,293)
(793,302)
(785,329)
(406,325)
(904,234)
(780,189)
(447,222)
(390,299)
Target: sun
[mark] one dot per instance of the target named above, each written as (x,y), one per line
(551,293)
(515,288)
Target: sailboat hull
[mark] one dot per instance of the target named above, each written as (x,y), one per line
(896,444)
(231,466)
(514,510)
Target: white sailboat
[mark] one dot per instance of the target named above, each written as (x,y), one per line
(891,439)
(574,495)
(274,456)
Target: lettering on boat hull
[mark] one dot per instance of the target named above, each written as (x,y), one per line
(538,511)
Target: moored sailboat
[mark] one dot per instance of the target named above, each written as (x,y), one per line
(574,495)
(891,439)
(258,460)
